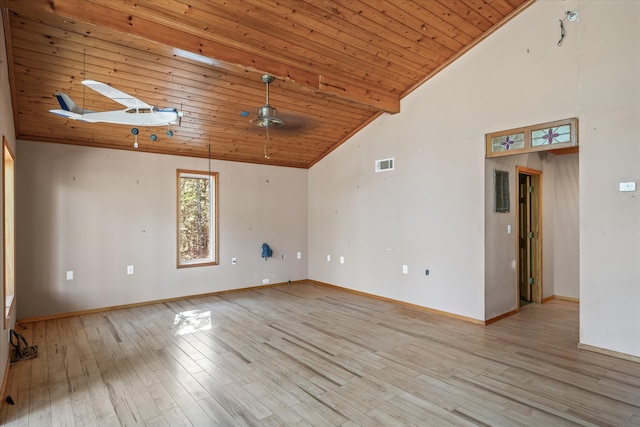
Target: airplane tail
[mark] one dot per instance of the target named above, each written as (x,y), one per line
(67,104)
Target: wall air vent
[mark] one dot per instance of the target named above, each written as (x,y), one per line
(384,165)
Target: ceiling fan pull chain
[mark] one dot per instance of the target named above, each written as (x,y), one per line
(265,144)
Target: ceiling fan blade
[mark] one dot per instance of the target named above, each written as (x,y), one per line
(296,122)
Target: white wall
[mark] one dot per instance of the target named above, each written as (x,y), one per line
(425,214)
(95,211)
(610,153)
(566,239)
(429,212)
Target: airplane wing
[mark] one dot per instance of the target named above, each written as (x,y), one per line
(115,94)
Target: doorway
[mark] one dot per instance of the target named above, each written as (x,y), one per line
(529,226)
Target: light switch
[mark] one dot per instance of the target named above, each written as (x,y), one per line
(129,269)
(341,260)
(69,275)
(509,229)
(405,269)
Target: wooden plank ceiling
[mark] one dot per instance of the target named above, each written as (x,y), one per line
(337,65)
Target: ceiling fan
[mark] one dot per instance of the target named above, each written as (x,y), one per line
(267,115)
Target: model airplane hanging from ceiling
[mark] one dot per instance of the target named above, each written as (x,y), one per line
(136,113)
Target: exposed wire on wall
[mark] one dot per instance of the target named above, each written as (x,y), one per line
(562,33)
(571,16)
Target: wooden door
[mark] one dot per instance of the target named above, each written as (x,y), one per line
(529,217)
(524,242)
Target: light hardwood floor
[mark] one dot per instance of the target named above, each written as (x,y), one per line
(314,355)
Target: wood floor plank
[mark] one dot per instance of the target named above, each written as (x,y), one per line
(272,399)
(353,409)
(311,355)
(83,412)
(183,399)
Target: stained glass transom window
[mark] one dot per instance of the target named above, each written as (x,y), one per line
(557,137)
(507,142)
(553,135)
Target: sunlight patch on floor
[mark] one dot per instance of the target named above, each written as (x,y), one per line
(191,321)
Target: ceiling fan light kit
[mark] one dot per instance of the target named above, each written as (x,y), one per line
(267,115)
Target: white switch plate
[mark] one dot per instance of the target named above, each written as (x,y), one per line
(627,186)
(509,229)
(299,255)
(341,260)
(265,281)
(234,260)
(69,275)
(129,269)
(405,269)
(328,258)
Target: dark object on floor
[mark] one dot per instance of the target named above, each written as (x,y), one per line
(21,349)
(9,400)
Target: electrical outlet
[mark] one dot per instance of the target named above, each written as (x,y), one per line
(265,281)
(129,269)
(69,275)
(234,261)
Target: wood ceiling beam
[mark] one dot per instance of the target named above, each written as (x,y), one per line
(153,27)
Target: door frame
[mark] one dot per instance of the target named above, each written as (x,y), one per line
(536,220)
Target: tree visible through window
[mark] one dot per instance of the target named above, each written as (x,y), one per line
(197,218)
